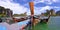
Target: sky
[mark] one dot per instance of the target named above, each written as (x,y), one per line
(21,6)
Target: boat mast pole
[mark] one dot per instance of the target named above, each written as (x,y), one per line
(32,13)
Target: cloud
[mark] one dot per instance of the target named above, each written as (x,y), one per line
(18,8)
(39,10)
(15,7)
(46,1)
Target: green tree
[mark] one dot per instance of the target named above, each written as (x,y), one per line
(47,12)
(2,11)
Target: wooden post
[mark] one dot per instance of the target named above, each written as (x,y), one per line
(31,8)
(32,13)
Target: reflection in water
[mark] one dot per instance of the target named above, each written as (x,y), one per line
(41,26)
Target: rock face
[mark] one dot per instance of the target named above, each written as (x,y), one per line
(58,13)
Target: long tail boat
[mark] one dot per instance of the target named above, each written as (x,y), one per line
(33,21)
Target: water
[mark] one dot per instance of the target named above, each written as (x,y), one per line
(53,24)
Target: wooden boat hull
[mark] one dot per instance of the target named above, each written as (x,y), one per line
(44,20)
